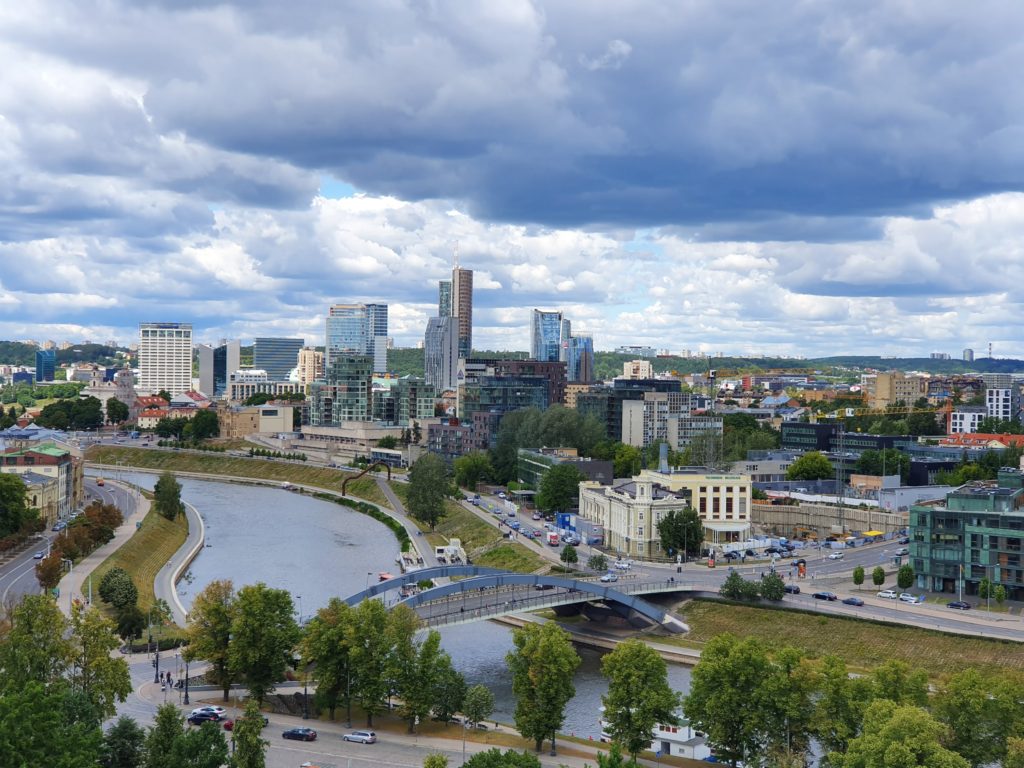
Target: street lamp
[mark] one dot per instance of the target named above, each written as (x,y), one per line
(186,681)
(367,584)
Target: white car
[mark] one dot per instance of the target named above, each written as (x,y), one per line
(889,594)
(836,556)
(361,737)
(622,565)
(906,597)
(214,709)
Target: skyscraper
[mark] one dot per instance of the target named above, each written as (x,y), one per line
(216,364)
(310,365)
(360,329)
(546,336)
(462,307)
(46,364)
(444,298)
(579,358)
(441,353)
(277,356)
(165,357)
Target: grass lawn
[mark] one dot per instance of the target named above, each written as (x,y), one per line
(863,644)
(512,557)
(144,554)
(460,523)
(216,464)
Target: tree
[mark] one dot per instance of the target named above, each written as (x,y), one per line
(878,576)
(839,708)
(451,692)
(263,636)
(472,469)
(735,587)
(543,664)
(260,398)
(419,679)
(898,682)
(681,531)
(436,760)
(597,562)
(44,726)
(639,696)
(124,745)
(811,466)
(905,576)
(381,644)
(626,462)
(999,593)
(117,412)
(1014,754)
(773,587)
(205,424)
(895,736)
(495,758)
(167,496)
(250,746)
(985,589)
(50,570)
(162,740)
(327,646)
(428,486)
(37,647)
(568,555)
(94,674)
(982,711)
(209,631)
(559,488)
(130,623)
(858,576)
(478,704)
(14,511)
(118,589)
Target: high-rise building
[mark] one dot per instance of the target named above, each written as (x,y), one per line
(46,364)
(165,357)
(546,336)
(277,356)
(462,308)
(579,358)
(1003,402)
(360,329)
(216,364)
(310,365)
(444,298)
(441,353)
(345,394)
(968,355)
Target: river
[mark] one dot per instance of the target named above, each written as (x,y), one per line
(319,550)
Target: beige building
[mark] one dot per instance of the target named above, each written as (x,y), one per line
(242,421)
(630,511)
(310,365)
(722,499)
(42,493)
(47,460)
(573,389)
(891,388)
(638,369)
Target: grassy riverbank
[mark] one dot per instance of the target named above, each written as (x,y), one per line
(215,464)
(863,644)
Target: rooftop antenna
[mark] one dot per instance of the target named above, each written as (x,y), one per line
(990,350)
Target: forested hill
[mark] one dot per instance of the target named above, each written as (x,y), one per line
(16,353)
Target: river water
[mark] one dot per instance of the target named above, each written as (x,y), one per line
(319,550)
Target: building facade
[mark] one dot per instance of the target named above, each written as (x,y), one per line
(46,364)
(1003,402)
(165,357)
(216,365)
(887,389)
(630,510)
(462,308)
(277,356)
(531,466)
(310,365)
(441,353)
(579,358)
(345,394)
(638,369)
(965,419)
(48,460)
(546,329)
(241,421)
(722,499)
(359,329)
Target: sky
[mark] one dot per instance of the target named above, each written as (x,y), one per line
(785,178)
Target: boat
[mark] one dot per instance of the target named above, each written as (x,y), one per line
(674,740)
(384,576)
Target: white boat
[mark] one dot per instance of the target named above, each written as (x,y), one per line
(675,740)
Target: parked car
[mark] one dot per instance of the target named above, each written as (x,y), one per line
(906,597)
(889,594)
(361,737)
(300,734)
(792,589)
(732,555)
(501,495)
(536,516)
(772,551)
(903,551)
(217,710)
(852,601)
(959,605)
(609,577)
(904,540)
(229,724)
(830,596)
(622,565)
(750,553)
(198,718)
(59,527)
(514,525)
(836,556)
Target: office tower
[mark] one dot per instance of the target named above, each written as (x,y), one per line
(277,356)
(165,357)
(345,394)
(310,365)
(462,308)
(46,364)
(216,364)
(579,358)
(546,336)
(968,355)
(444,298)
(357,328)
(441,353)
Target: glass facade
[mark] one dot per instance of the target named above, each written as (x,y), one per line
(277,356)
(345,394)
(46,364)
(357,328)
(546,336)
(501,394)
(579,358)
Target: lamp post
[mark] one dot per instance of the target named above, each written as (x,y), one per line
(305,690)
(367,584)
(299,598)
(186,682)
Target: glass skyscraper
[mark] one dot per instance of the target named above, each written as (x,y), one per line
(277,356)
(46,364)
(579,358)
(546,336)
(357,328)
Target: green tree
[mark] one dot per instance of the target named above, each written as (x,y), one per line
(327,646)
(124,745)
(773,587)
(117,412)
(896,736)
(735,587)
(811,466)
(839,707)
(436,760)
(130,623)
(597,562)
(473,469)
(495,758)
(984,589)
(14,511)
(559,488)
(898,682)
(419,680)
(205,424)
(250,746)
(639,696)
(982,711)
(681,530)
(858,576)
(568,555)
(120,591)
(543,664)
(478,704)
(263,636)
(209,631)
(163,737)
(167,496)
(94,674)
(260,398)
(451,692)
(381,643)
(1014,754)
(428,486)
(886,462)
(43,726)
(626,462)
(37,646)
(999,593)
(905,576)
(878,576)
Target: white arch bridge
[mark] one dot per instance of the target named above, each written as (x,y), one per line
(488,593)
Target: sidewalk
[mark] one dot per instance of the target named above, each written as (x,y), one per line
(167,578)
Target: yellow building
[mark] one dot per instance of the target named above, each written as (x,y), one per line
(722,499)
(239,422)
(630,510)
(891,388)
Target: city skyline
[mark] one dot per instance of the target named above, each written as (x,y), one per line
(785,181)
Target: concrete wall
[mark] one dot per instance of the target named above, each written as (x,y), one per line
(784,519)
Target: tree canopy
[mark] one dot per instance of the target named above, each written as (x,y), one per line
(813,465)
(559,488)
(428,488)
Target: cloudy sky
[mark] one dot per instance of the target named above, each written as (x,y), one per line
(747,177)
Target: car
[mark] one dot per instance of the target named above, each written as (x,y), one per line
(502,495)
(904,540)
(792,589)
(38,555)
(732,555)
(830,596)
(543,587)
(229,724)
(799,562)
(608,577)
(219,711)
(59,527)
(361,737)
(906,597)
(772,550)
(903,551)
(888,594)
(959,605)
(750,553)
(852,601)
(514,525)
(836,556)
(535,516)
(300,734)
(622,565)
(198,718)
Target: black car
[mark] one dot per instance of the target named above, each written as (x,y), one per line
(904,540)
(853,601)
(959,605)
(198,718)
(731,556)
(772,551)
(792,589)
(825,596)
(300,734)
(750,553)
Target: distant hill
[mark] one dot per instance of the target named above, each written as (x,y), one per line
(16,353)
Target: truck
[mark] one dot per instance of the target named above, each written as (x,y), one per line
(553,538)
